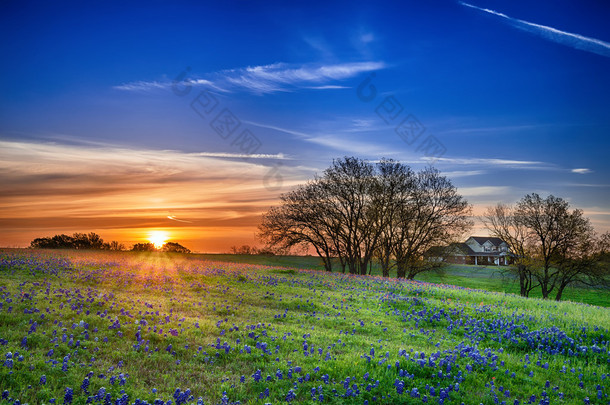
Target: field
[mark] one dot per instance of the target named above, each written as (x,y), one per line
(124,328)
(492,278)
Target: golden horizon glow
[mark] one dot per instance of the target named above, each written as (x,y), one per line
(158,238)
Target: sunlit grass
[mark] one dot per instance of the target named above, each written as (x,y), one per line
(215,314)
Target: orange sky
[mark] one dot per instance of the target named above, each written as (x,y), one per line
(122,194)
(207,203)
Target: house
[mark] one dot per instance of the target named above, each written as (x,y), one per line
(477,250)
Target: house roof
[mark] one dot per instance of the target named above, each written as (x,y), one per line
(451,250)
(463,248)
(482,239)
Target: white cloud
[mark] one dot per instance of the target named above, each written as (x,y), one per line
(491,162)
(582,170)
(270,78)
(464,173)
(143,86)
(277,156)
(351,145)
(484,191)
(570,39)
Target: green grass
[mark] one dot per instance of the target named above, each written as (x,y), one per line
(196,302)
(492,278)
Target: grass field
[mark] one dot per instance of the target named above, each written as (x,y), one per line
(492,278)
(87,327)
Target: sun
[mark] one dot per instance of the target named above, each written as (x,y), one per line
(158,238)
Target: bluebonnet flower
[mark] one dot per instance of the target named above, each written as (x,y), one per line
(68,395)
(85,385)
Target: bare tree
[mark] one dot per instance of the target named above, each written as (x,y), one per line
(502,222)
(396,184)
(583,263)
(348,187)
(300,220)
(557,233)
(434,214)
(357,211)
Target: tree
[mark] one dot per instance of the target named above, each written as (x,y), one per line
(42,243)
(583,262)
(395,185)
(357,211)
(174,247)
(114,245)
(352,204)
(87,241)
(558,236)
(434,213)
(76,241)
(502,222)
(144,247)
(300,220)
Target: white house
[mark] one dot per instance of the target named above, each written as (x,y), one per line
(478,250)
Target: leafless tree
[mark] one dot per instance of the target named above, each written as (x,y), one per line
(502,222)
(357,211)
(558,234)
(301,220)
(433,214)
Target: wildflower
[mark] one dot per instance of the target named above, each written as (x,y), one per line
(68,395)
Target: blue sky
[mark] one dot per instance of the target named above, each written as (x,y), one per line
(506,98)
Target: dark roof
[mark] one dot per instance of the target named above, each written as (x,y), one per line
(451,250)
(482,239)
(463,248)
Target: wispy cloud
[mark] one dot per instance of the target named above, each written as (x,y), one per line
(582,170)
(173,218)
(271,78)
(143,86)
(493,191)
(492,162)
(464,173)
(570,39)
(277,156)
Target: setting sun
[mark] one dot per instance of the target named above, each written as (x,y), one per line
(158,238)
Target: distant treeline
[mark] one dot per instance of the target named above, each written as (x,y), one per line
(93,241)
(167,247)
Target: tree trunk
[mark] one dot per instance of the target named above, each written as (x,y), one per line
(523,280)
(400,271)
(364,264)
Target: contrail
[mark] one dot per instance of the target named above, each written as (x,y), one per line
(576,41)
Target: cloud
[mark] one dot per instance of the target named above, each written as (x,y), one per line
(570,39)
(463,173)
(277,156)
(344,145)
(492,162)
(484,191)
(582,171)
(142,86)
(173,218)
(271,78)
(215,199)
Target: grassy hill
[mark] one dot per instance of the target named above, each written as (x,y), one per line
(492,278)
(93,327)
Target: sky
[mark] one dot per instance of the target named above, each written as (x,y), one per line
(194,117)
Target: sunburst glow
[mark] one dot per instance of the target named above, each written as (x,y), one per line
(158,238)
